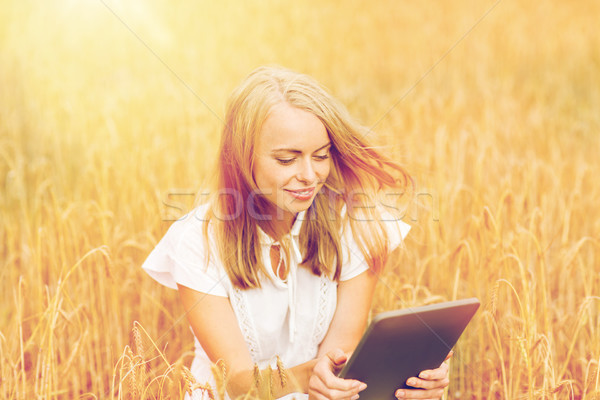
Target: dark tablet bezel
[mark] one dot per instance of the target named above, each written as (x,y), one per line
(399,344)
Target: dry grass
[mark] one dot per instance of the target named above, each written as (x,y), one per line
(103,138)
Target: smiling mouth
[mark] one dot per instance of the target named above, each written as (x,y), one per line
(303,194)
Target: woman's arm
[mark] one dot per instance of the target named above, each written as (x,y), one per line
(215,326)
(346,329)
(349,320)
(351,314)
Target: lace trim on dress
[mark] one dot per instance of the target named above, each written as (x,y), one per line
(240,307)
(322,325)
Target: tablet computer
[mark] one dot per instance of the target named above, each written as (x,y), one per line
(400,344)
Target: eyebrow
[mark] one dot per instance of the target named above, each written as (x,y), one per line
(298,151)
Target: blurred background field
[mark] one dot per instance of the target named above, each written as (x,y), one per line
(109,121)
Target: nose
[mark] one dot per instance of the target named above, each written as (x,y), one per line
(306,171)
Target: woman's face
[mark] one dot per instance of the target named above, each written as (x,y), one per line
(292,159)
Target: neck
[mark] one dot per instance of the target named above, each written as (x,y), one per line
(279,224)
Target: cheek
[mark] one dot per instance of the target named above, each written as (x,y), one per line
(260,174)
(324,170)
(271,176)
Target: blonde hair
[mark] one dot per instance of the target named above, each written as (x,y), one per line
(356,168)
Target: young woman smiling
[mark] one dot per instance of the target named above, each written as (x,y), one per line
(280,265)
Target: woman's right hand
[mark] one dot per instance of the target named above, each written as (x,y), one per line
(324,384)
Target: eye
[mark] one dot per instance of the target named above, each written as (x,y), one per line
(322,157)
(285,161)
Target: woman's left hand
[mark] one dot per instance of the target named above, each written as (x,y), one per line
(430,384)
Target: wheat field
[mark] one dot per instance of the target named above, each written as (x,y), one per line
(109,120)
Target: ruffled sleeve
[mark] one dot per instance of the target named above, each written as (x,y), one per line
(354,262)
(181,258)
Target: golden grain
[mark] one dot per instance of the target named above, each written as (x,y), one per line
(219,372)
(282,372)
(102,146)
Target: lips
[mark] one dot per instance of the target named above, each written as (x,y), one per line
(302,194)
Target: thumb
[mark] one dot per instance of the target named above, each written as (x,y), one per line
(337,356)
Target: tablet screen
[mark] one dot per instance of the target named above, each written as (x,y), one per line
(400,344)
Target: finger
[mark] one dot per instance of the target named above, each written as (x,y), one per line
(337,357)
(427,384)
(450,354)
(323,373)
(343,385)
(434,374)
(321,396)
(329,392)
(419,394)
(314,395)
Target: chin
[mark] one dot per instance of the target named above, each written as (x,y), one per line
(299,207)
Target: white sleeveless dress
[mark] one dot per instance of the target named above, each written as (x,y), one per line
(286,318)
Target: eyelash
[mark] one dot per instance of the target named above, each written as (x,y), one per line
(287,161)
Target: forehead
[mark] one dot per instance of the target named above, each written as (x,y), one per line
(288,127)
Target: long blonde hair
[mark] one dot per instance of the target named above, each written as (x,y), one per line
(357,168)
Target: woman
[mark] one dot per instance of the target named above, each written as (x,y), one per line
(281,264)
